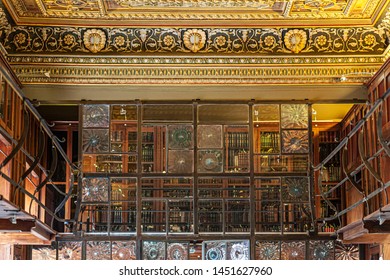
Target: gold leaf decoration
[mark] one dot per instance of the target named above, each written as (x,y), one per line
(194,39)
(94,40)
(295,40)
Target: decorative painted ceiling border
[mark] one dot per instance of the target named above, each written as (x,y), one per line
(151,10)
(87,74)
(259,41)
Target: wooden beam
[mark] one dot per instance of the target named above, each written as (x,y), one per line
(6,225)
(374,227)
(22,238)
(353,230)
(369,239)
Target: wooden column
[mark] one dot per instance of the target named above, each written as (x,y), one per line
(386,251)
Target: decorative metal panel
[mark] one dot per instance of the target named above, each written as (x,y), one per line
(153,250)
(237,250)
(209,136)
(95,190)
(95,140)
(177,251)
(293,250)
(96,115)
(295,189)
(123,250)
(295,141)
(43,253)
(346,251)
(180,137)
(214,250)
(321,250)
(294,116)
(210,161)
(180,161)
(69,250)
(98,250)
(267,250)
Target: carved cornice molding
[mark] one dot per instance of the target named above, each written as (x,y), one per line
(261,41)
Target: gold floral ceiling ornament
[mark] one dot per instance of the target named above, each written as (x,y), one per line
(295,40)
(94,40)
(194,39)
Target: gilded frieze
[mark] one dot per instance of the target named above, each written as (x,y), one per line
(202,40)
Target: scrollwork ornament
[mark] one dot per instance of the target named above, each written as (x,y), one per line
(194,39)
(94,40)
(295,40)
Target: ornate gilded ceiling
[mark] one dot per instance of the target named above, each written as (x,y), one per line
(195,42)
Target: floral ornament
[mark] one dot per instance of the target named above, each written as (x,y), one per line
(177,251)
(119,41)
(269,41)
(321,40)
(194,39)
(95,190)
(98,250)
(210,136)
(220,41)
(295,141)
(69,39)
(295,40)
(321,250)
(370,39)
(293,250)
(180,161)
(20,39)
(295,116)
(95,115)
(295,189)
(210,161)
(268,250)
(69,250)
(95,140)
(180,137)
(346,251)
(152,250)
(94,40)
(238,250)
(123,250)
(43,253)
(168,40)
(214,250)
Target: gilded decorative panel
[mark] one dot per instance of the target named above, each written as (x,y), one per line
(294,116)
(321,250)
(46,253)
(98,250)
(295,141)
(210,161)
(268,250)
(180,137)
(96,140)
(153,250)
(177,251)
(95,190)
(95,115)
(123,250)
(69,250)
(180,161)
(209,136)
(293,250)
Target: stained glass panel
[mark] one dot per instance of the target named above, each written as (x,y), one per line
(153,250)
(123,250)
(321,250)
(210,161)
(293,250)
(237,250)
(294,115)
(180,161)
(95,140)
(69,250)
(267,250)
(95,115)
(295,141)
(95,189)
(177,251)
(98,250)
(180,137)
(209,136)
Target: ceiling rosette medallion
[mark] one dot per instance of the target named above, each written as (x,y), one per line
(295,40)
(94,40)
(194,39)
